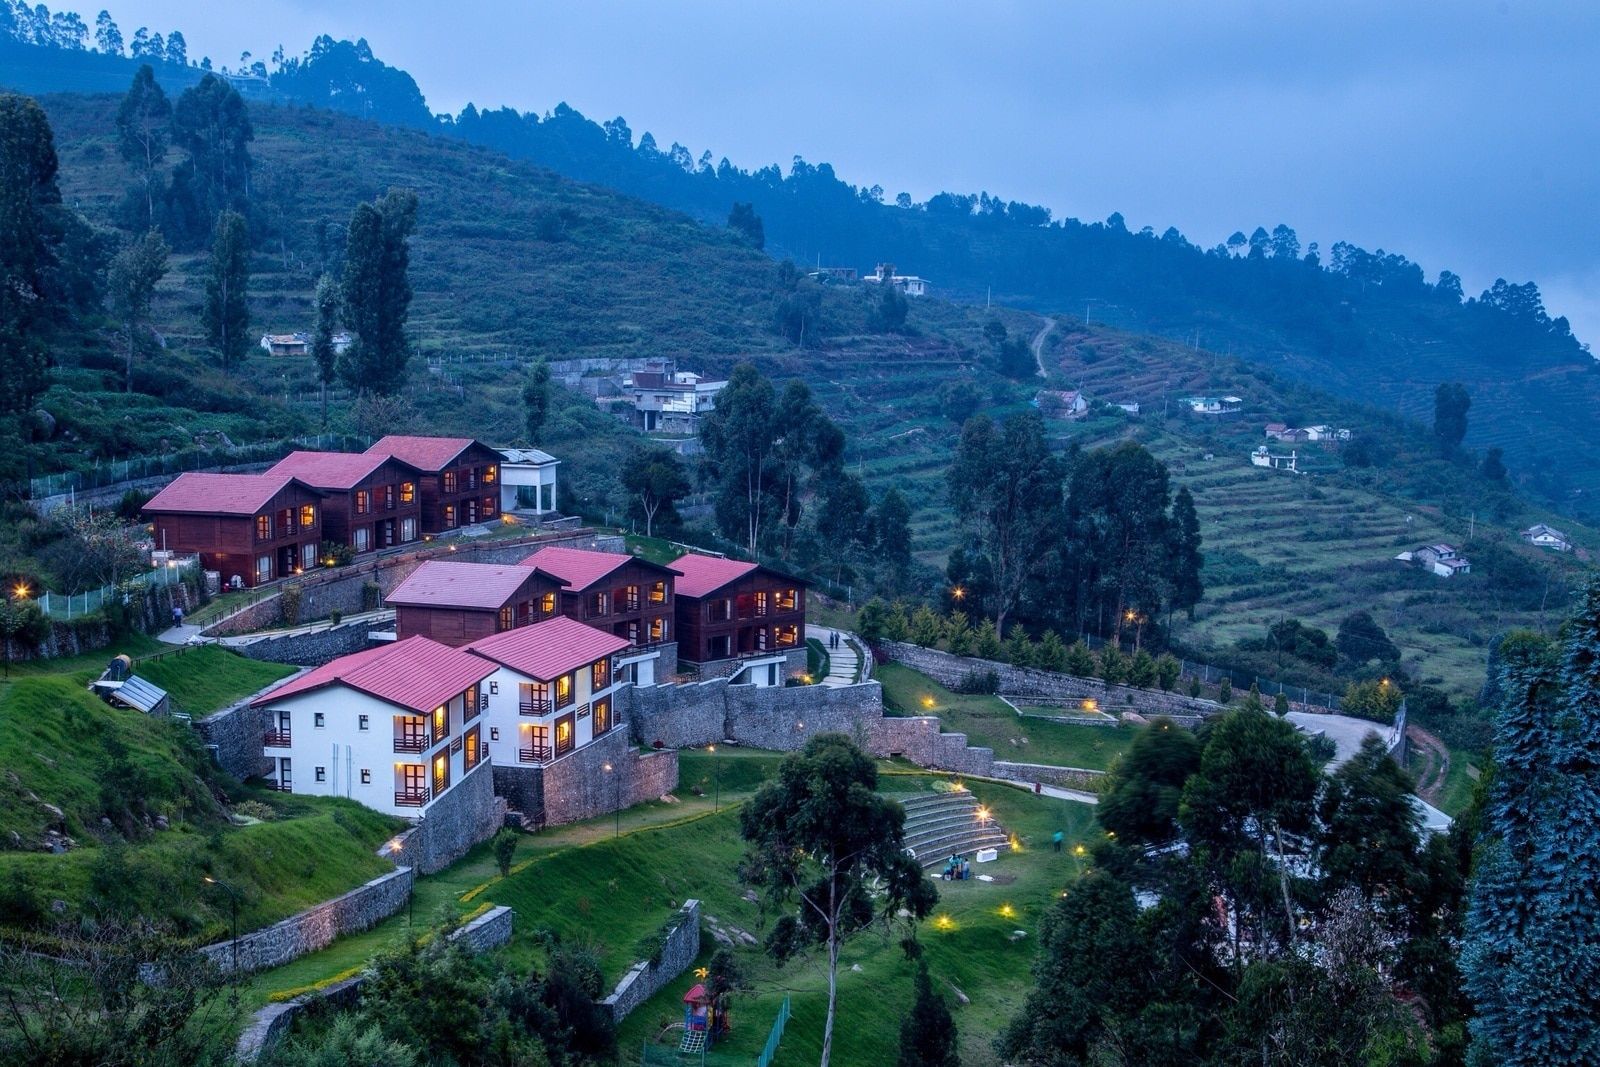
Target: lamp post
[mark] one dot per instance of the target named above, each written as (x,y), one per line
(11,622)
(616,797)
(395,846)
(233,909)
(716,776)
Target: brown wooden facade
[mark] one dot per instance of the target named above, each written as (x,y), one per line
(537,599)
(762,611)
(280,539)
(382,510)
(635,601)
(464,492)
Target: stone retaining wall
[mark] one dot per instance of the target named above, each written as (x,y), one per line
(644,978)
(948,671)
(489,930)
(577,786)
(467,813)
(1069,777)
(317,927)
(312,648)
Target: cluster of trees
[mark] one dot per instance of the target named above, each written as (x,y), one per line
(66,30)
(774,467)
(1339,954)
(1085,542)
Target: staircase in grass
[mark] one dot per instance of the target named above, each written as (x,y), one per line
(939,825)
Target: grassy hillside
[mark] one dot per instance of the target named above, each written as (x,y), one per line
(108,779)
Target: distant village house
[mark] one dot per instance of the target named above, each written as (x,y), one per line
(1549,537)
(909,284)
(1440,559)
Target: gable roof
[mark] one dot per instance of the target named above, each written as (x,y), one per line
(580,568)
(702,575)
(222,494)
(418,674)
(332,470)
(445,584)
(425,453)
(546,650)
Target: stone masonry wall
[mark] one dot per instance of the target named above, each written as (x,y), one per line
(467,813)
(316,927)
(1070,777)
(577,786)
(677,716)
(644,978)
(237,731)
(948,670)
(310,649)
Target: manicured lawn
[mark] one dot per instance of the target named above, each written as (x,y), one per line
(989,721)
(1459,784)
(207,678)
(817,659)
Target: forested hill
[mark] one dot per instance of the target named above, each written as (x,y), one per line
(1369,325)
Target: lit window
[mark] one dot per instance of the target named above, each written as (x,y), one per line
(564,686)
(363,501)
(600,674)
(408,492)
(658,593)
(490,473)
(449,515)
(449,481)
(547,604)
(308,516)
(263,528)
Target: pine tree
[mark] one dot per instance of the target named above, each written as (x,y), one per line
(1080,661)
(986,643)
(927,1032)
(1187,559)
(926,627)
(1050,654)
(227,309)
(29,257)
(958,634)
(1019,649)
(377,292)
(536,400)
(322,348)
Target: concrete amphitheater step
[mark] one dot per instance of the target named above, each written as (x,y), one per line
(939,827)
(960,844)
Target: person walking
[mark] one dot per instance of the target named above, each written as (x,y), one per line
(1056,840)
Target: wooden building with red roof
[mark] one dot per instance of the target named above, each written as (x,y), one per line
(458,603)
(250,528)
(730,609)
(370,501)
(614,591)
(460,478)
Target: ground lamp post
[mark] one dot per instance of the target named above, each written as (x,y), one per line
(233,909)
(616,798)
(716,777)
(411,894)
(11,619)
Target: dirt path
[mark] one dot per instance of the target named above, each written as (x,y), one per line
(1436,765)
(1038,345)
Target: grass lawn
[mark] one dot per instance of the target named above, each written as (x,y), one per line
(817,659)
(991,722)
(1459,784)
(207,678)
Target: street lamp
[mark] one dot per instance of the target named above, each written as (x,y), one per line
(616,799)
(716,774)
(233,908)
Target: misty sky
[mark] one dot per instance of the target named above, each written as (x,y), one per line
(1465,135)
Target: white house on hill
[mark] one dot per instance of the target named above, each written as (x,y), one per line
(1440,559)
(392,727)
(1547,537)
(528,481)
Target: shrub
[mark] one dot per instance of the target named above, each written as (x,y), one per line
(334,554)
(1051,653)
(1252,699)
(289,601)
(958,633)
(896,627)
(926,627)
(1225,690)
(1375,700)
(1168,670)
(871,624)
(986,682)
(987,641)
(1080,661)
(1194,686)
(1321,747)
(1280,703)
(505,850)
(1142,670)
(255,809)
(1019,650)
(1113,665)
(371,596)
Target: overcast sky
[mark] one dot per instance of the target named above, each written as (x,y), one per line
(1465,135)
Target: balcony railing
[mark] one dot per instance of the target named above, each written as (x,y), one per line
(282,787)
(275,739)
(534,707)
(534,754)
(411,744)
(411,798)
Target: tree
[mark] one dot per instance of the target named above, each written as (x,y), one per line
(827,850)
(29,249)
(536,400)
(142,130)
(1450,404)
(1141,805)
(134,274)
(1187,559)
(804,438)
(744,221)
(927,1032)
(655,480)
(1494,466)
(177,49)
(227,308)
(505,850)
(326,301)
(377,292)
(739,436)
(210,123)
(1362,640)
(106,35)
(889,308)
(1116,549)
(1005,489)
(891,525)
(1368,833)
(1376,699)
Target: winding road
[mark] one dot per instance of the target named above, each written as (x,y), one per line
(1038,345)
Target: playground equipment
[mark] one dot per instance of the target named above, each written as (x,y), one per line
(703,1019)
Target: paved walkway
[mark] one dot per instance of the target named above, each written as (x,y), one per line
(1345,731)
(843,662)
(179,635)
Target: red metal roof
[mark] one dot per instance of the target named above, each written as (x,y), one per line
(702,575)
(331,470)
(220,494)
(579,568)
(443,584)
(546,650)
(418,674)
(424,453)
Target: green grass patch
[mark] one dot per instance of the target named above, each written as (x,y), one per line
(817,659)
(207,678)
(990,722)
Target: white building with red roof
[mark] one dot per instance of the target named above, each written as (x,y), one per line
(394,727)
(552,689)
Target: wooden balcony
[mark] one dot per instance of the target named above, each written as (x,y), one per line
(275,739)
(414,743)
(534,754)
(411,798)
(533,707)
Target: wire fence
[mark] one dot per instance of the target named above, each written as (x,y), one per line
(117,472)
(76,605)
(1211,674)
(775,1037)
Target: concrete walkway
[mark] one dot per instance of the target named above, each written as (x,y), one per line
(179,635)
(843,662)
(1345,731)
(368,617)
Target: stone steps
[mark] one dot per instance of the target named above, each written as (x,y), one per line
(961,844)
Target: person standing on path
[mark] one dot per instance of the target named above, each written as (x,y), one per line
(1056,839)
